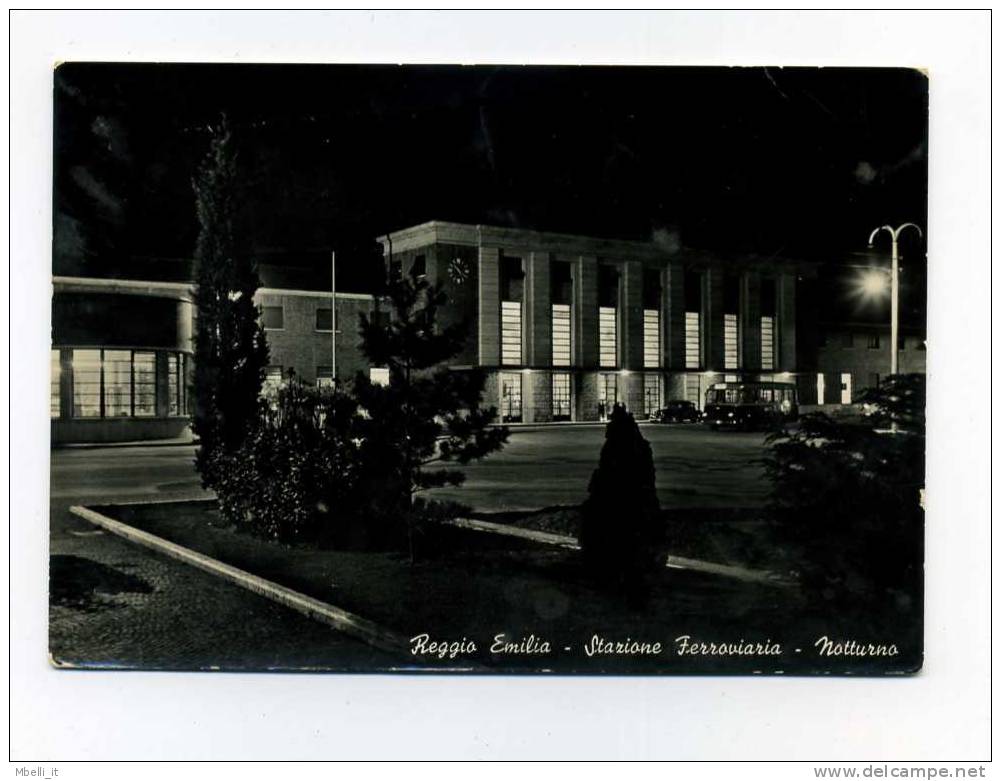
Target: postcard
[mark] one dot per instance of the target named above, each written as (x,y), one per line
(488,369)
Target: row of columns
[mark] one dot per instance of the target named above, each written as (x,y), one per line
(537,319)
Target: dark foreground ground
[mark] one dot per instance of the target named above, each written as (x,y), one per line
(469,588)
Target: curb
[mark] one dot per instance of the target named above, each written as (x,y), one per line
(673,562)
(119,445)
(342,620)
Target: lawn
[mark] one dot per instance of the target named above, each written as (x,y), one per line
(468,587)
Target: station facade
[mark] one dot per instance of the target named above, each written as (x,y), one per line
(566,326)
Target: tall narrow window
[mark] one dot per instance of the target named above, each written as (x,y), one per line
(561,335)
(731,318)
(608,354)
(693,340)
(175,384)
(117,383)
(55,370)
(767,342)
(144,383)
(820,390)
(86,383)
(561,396)
(510,397)
(651,338)
(846,388)
(652,392)
(511,333)
(608,393)
(693,319)
(731,352)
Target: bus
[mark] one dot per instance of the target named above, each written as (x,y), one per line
(750,405)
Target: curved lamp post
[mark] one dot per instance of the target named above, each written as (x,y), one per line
(894,285)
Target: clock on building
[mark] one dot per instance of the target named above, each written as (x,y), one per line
(458,270)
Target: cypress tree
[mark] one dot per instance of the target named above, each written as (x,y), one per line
(231,352)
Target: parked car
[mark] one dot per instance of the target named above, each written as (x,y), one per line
(677,412)
(751,405)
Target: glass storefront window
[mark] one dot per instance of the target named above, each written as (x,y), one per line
(86,383)
(55,370)
(117,383)
(144,382)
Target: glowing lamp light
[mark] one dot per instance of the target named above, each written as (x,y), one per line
(873,283)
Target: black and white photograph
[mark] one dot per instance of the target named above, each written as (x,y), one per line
(488,369)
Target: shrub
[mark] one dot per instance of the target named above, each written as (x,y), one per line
(847,497)
(295,477)
(620,524)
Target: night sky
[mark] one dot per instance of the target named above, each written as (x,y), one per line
(797,162)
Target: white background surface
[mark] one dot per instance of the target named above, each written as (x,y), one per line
(942,714)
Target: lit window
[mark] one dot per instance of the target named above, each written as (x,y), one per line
(561,335)
(651,338)
(379,375)
(175,384)
(117,383)
(144,382)
(324,319)
(608,354)
(820,389)
(561,396)
(767,343)
(324,376)
(651,394)
(273,317)
(272,379)
(731,353)
(55,370)
(608,393)
(846,388)
(510,397)
(511,333)
(693,340)
(86,383)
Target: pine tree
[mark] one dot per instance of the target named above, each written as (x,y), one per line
(620,524)
(428,413)
(231,352)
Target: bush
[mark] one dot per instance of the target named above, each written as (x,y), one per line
(620,524)
(847,497)
(295,477)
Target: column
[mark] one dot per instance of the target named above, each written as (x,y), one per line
(712,326)
(673,316)
(585,312)
(750,321)
(538,311)
(787,322)
(631,316)
(489,306)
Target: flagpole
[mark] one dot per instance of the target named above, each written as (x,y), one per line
(333,319)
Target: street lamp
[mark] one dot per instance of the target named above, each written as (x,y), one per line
(894,285)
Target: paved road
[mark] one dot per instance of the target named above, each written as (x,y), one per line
(543,467)
(540,467)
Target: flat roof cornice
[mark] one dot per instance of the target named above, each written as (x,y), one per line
(520,239)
